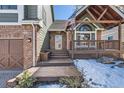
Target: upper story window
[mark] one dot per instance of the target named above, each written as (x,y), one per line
(110,37)
(44,15)
(84,27)
(8,7)
(30,12)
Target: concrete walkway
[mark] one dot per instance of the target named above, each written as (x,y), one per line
(5,75)
(54,72)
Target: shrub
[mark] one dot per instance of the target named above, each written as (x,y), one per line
(71,82)
(25,81)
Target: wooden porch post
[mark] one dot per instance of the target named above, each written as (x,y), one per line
(72,56)
(119,35)
(119,38)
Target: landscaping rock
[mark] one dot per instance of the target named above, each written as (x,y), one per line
(106,60)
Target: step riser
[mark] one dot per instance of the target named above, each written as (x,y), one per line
(59,57)
(59,54)
(55,64)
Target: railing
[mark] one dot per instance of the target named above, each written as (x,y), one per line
(96,44)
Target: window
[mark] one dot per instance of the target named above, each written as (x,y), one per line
(110,37)
(30,12)
(44,15)
(8,6)
(84,28)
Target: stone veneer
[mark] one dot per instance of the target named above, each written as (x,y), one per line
(23,32)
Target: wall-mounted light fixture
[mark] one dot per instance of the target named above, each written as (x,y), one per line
(29,40)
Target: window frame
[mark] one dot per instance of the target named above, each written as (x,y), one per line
(8,7)
(84,26)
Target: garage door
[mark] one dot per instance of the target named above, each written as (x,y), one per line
(11,54)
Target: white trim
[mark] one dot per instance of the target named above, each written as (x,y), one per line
(20,12)
(117,11)
(60,42)
(86,18)
(10,23)
(82,9)
(9,11)
(34,61)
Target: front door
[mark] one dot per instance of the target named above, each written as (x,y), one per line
(58,42)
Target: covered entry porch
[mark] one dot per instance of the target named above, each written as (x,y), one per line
(86,42)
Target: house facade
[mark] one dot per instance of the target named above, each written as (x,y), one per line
(23,29)
(88,32)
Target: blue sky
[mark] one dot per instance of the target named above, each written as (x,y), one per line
(63,12)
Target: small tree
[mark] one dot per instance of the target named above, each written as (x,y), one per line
(25,81)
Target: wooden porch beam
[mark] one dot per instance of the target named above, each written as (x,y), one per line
(102,14)
(87,10)
(100,21)
(95,11)
(109,15)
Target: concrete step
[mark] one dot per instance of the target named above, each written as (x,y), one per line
(43,64)
(59,56)
(56,62)
(60,52)
(55,72)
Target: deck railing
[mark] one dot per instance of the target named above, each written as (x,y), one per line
(96,44)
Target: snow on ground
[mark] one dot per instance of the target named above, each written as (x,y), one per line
(101,75)
(49,85)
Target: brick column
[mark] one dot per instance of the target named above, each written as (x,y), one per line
(28,47)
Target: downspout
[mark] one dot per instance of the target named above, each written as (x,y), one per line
(33,45)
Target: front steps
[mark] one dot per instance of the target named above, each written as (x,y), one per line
(59,54)
(57,58)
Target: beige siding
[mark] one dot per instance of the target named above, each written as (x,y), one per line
(112,32)
(42,34)
(122,33)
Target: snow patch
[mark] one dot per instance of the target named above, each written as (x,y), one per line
(50,85)
(101,75)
